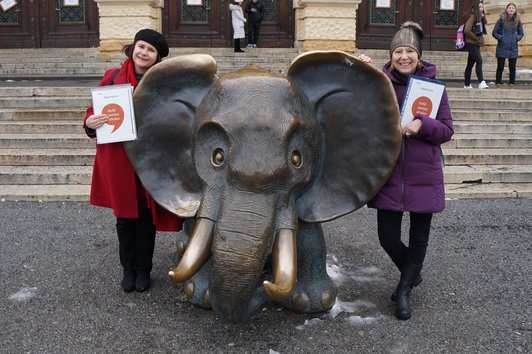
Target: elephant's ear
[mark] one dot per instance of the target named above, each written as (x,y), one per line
(165,103)
(359,120)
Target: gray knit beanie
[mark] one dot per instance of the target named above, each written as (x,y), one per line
(409,35)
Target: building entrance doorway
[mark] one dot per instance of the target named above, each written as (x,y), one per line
(378,20)
(49,24)
(207,23)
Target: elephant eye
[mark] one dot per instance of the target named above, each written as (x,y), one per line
(297,159)
(218,157)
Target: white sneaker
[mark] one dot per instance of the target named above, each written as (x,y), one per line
(254,46)
(468,87)
(483,85)
(249,46)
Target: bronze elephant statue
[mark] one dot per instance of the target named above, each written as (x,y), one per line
(258,161)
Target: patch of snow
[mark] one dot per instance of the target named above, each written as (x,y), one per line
(23,294)
(348,307)
(358,320)
(308,323)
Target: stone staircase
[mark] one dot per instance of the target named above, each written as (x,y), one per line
(45,155)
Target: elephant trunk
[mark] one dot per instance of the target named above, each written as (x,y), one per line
(239,253)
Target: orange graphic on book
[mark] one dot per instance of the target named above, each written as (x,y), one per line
(115,113)
(422,105)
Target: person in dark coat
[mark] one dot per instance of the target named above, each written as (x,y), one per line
(508,31)
(115,184)
(474,31)
(255,12)
(416,183)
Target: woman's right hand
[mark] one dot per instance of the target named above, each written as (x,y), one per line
(96,120)
(365,58)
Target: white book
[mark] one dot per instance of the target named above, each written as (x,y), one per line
(117,102)
(423,96)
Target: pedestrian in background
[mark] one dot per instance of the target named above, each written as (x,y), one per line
(508,31)
(237,20)
(416,183)
(474,31)
(115,184)
(255,12)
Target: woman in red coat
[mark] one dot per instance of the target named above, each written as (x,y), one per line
(114,182)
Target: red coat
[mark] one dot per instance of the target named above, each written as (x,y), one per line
(114,182)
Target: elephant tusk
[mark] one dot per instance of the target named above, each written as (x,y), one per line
(284,261)
(197,252)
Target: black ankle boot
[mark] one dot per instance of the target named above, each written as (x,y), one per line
(143,281)
(416,283)
(128,281)
(403,309)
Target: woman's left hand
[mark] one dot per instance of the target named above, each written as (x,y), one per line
(412,128)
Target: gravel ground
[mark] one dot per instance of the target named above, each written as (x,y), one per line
(61,292)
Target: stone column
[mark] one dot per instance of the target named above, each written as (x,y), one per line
(325,24)
(121,19)
(493,10)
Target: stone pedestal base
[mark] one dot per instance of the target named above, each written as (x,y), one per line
(326,25)
(120,20)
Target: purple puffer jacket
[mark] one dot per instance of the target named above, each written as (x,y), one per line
(416,183)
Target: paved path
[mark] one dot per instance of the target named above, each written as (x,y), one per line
(60,290)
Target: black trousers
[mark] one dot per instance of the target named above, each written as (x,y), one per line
(253,32)
(473,59)
(136,239)
(389,231)
(500,67)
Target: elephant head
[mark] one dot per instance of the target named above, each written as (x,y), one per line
(251,153)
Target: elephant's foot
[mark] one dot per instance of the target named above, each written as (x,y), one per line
(197,288)
(197,296)
(311,297)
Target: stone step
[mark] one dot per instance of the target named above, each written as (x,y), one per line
(59,102)
(47,157)
(488,174)
(75,127)
(489,141)
(18,92)
(45,141)
(459,93)
(61,192)
(50,64)
(487,156)
(45,192)
(493,127)
(486,115)
(42,127)
(43,114)
(499,104)
(488,190)
(48,175)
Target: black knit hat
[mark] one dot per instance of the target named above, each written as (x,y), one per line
(155,39)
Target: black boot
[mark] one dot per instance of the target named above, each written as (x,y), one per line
(418,281)
(403,309)
(125,229)
(145,244)
(237,46)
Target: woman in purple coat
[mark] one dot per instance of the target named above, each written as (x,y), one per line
(416,183)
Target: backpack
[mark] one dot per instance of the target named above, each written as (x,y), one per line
(460,42)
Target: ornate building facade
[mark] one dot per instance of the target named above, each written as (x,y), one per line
(306,24)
